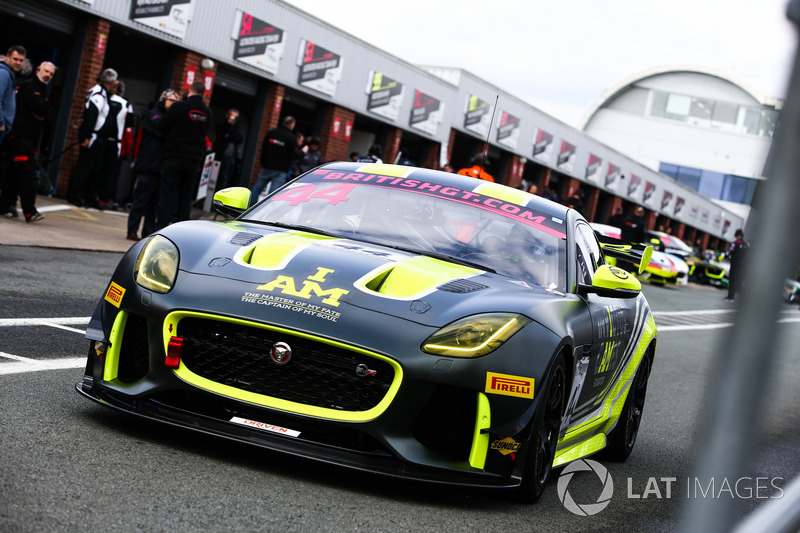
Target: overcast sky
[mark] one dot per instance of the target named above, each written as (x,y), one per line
(560,55)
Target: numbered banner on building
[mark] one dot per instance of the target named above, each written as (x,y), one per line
(634,186)
(566,157)
(593,168)
(612,176)
(649,195)
(426,113)
(679,203)
(477,116)
(320,69)
(169,16)
(508,130)
(666,201)
(384,95)
(542,145)
(258,43)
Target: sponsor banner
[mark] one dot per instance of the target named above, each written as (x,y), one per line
(477,116)
(508,130)
(426,113)
(169,16)
(593,168)
(566,156)
(717,221)
(258,43)
(704,215)
(612,176)
(666,201)
(320,69)
(634,186)
(542,145)
(726,225)
(649,195)
(384,95)
(694,211)
(679,203)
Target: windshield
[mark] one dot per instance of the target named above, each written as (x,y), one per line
(477,232)
(675,243)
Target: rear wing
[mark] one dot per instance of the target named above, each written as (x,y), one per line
(637,255)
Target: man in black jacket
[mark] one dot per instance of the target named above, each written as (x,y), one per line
(149,159)
(278,151)
(33,114)
(226,149)
(184,126)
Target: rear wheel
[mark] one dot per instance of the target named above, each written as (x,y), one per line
(623,436)
(544,437)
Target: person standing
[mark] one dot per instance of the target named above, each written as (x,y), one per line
(226,148)
(736,255)
(184,127)
(118,115)
(477,170)
(312,158)
(8,102)
(374,155)
(149,159)
(617,219)
(22,143)
(278,151)
(94,140)
(633,229)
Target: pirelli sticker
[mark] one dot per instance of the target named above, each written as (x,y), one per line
(114,294)
(509,385)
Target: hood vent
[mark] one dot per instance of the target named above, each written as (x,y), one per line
(462,286)
(242,238)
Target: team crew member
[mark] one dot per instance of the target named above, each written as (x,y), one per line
(278,151)
(95,141)
(184,127)
(149,159)
(479,163)
(33,114)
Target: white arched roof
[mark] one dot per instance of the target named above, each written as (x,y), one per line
(613,91)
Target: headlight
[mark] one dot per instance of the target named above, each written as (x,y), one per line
(474,336)
(157,265)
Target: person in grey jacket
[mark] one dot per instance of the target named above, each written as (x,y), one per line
(8,85)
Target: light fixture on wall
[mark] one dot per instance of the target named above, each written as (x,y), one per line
(207,63)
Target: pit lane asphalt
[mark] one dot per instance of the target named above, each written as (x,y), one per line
(68,464)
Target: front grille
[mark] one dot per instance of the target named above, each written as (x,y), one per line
(447,421)
(317,374)
(134,354)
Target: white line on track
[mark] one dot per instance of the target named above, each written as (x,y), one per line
(24,364)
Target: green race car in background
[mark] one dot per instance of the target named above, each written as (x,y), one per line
(396,320)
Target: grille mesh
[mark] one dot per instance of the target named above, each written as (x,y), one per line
(134,360)
(317,374)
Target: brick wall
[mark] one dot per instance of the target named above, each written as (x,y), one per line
(92,58)
(335,144)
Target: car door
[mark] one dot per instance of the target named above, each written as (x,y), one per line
(612,320)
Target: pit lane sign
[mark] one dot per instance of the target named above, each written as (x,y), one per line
(384,95)
(169,16)
(426,112)
(320,69)
(258,43)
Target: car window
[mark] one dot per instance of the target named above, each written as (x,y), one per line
(587,253)
(532,250)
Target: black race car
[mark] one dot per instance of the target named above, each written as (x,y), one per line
(397,320)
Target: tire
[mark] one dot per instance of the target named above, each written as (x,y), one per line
(623,437)
(544,434)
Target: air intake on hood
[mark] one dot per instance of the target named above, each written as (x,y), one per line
(462,286)
(242,238)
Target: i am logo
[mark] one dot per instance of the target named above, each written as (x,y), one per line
(311,286)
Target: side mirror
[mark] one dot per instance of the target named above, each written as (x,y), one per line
(231,202)
(612,282)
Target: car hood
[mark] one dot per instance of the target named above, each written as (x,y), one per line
(280,265)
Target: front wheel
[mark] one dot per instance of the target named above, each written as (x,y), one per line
(623,436)
(544,437)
